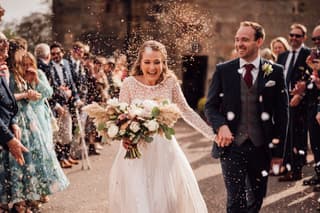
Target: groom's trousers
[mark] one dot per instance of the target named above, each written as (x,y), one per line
(245,170)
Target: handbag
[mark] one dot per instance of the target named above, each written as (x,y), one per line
(53,119)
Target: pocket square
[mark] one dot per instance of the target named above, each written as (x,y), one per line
(270,84)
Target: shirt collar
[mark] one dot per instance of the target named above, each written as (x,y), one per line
(298,50)
(56,64)
(255,62)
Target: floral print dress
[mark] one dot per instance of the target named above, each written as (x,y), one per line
(40,175)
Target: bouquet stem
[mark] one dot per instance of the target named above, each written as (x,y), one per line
(133,152)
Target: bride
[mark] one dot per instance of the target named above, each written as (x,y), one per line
(161,181)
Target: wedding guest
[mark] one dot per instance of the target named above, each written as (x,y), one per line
(75,60)
(38,81)
(312,98)
(162,180)
(295,71)
(79,78)
(113,77)
(93,95)
(121,66)
(10,132)
(43,56)
(267,54)
(279,45)
(64,95)
(248,112)
(22,42)
(102,85)
(29,182)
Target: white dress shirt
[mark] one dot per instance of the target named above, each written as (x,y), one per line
(254,71)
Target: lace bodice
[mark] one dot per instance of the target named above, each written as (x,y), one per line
(168,89)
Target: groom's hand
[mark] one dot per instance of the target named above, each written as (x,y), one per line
(224,137)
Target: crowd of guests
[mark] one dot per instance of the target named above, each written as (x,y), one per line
(301,68)
(50,85)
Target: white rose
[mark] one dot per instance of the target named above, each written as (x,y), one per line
(117,81)
(113,102)
(137,102)
(110,123)
(152,125)
(113,131)
(123,106)
(148,105)
(134,126)
(135,111)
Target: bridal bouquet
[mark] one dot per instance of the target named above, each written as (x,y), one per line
(136,123)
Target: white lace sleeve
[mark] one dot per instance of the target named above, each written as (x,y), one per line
(190,116)
(124,95)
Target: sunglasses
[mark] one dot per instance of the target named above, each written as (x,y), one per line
(295,35)
(317,38)
(55,53)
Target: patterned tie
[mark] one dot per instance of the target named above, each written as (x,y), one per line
(248,75)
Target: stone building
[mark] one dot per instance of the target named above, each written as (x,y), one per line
(197,33)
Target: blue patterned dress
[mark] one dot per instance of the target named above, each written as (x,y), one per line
(55,173)
(41,174)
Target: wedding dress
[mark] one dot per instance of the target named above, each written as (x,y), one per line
(162,180)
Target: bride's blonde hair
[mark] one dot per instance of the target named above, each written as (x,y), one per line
(154,46)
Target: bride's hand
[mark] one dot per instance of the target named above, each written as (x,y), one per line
(126,143)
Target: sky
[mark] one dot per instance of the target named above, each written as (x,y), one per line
(16,9)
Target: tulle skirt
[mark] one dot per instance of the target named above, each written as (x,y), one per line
(162,181)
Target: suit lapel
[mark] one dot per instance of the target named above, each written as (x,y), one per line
(6,86)
(285,58)
(299,59)
(261,80)
(56,76)
(10,94)
(236,77)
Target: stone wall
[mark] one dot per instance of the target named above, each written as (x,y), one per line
(123,24)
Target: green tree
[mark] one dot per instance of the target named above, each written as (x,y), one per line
(35,28)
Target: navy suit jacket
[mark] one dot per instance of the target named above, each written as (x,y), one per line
(224,96)
(58,96)
(46,68)
(8,109)
(299,70)
(79,77)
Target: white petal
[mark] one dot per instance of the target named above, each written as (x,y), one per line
(230,116)
(288,166)
(260,98)
(310,86)
(276,169)
(264,173)
(265,116)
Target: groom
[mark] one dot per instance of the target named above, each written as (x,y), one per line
(247,106)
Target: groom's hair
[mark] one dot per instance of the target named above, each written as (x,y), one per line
(259,31)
